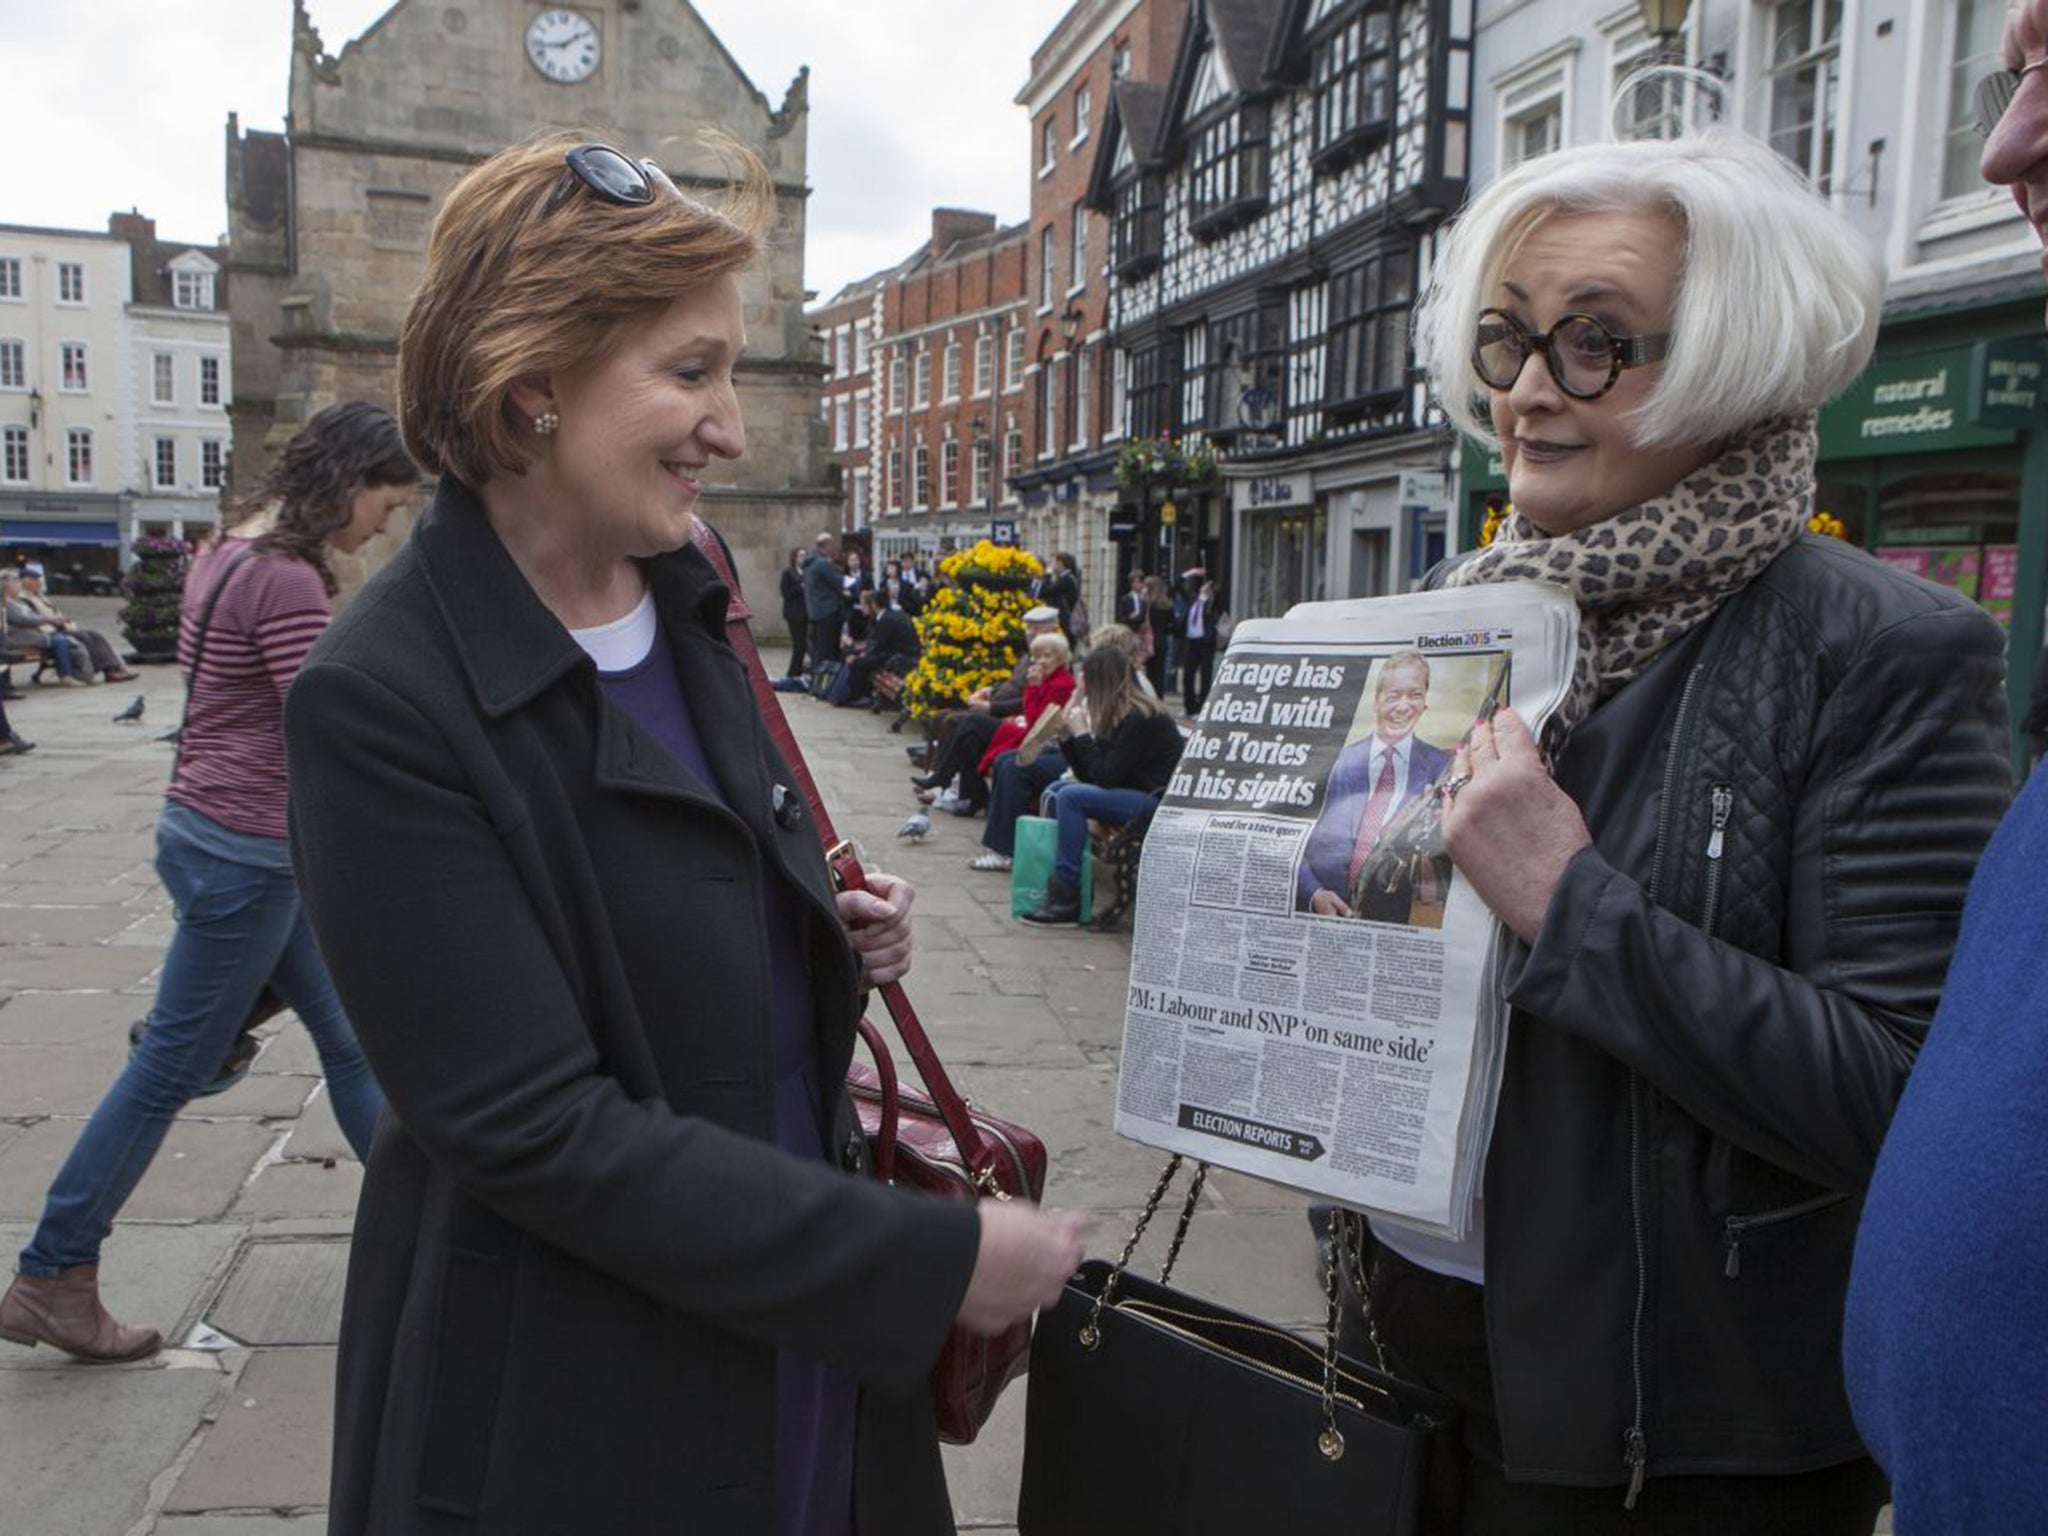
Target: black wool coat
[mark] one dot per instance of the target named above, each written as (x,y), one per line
(577,1249)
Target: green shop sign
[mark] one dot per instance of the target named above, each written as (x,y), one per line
(1481,468)
(1966,397)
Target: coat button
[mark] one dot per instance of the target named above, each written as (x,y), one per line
(850,1155)
(789,806)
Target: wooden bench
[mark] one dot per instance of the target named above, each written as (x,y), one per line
(1121,848)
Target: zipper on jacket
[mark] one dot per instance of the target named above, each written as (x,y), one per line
(1717,838)
(1635,1446)
(1733,1227)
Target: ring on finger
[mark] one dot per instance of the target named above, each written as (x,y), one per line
(1454,783)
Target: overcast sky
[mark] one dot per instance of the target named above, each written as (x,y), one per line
(122,103)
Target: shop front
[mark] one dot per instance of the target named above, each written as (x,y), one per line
(1335,529)
(78,539)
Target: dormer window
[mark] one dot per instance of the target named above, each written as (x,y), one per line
(1137,236)
(192,290)
(1227,170)
(1351,73)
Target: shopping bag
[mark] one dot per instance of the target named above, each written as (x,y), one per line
(1031,866)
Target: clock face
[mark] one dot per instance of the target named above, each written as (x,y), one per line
(563,45)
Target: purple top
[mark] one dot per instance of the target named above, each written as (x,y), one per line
(815,1406)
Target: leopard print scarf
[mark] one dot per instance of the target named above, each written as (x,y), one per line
(1647,576)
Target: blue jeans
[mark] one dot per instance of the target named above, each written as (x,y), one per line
(1076,806)
(1015,792)
(67,653)
(240,925)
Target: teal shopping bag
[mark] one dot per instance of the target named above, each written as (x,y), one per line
(1031,866)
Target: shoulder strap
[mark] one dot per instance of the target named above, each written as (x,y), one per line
(840,856)
(234,564)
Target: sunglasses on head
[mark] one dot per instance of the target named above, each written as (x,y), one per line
(615,177)
(1995,93)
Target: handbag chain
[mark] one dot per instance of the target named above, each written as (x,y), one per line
(1331,1441)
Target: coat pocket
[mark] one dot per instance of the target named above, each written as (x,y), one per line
(470,1337)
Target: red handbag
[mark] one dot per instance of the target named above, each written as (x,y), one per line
(929,1140)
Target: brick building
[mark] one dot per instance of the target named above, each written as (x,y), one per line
(846,325)
(1071,415)
(329,219)
(947,388)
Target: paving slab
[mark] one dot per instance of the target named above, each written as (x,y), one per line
(95,1438)
(68,1079)
(283,1291)
(269,1448)
(52,968)
(153,1273)
(302,1189)
(313,1523)
(196,1176)
(65,925)
(982,1477)
(52,1018)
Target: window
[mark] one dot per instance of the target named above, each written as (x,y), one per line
(1083,106)
(162,383)
(1048,266)
(13,365)
(949,378)
(1649,109)
(860,421)
(1084,394)
(73,353)
(949,472)
(1120,61)
(1137,233)
(1228,170)
(1534,132)
(209,381)
(166,465)
(1976,52)
(921,477)
(1048,147)
(1805,73)
(14,455)
(896,383)
(921,382)
(71,284)
(1119,392)
(78,455)
(977,490)
(1013,360)
(894,488)
(10,277)
(1351,72)
(1046,399)
(984,364)
(1080,249)
(862,340)
(1306,357)
(1368,332)
(842,352)
(860,497)
(1149,388)
(839,423)
(1013,454)
(192,290)
(213,463)
(1194,377)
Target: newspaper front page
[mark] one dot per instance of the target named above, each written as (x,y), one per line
(1311,996)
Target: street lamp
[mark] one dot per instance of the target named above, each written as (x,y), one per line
(1663,19)
(1070,324)
(35,407)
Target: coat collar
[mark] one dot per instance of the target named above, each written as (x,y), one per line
(512,648)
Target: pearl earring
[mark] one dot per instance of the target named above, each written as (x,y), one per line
(546,422)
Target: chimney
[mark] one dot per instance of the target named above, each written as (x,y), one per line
(952,225)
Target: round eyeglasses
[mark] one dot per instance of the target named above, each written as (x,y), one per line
(1585,358)
(1995,93)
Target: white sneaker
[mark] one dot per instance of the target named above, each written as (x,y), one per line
(990,861)
(946,801)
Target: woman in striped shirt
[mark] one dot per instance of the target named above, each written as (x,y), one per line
(255,601)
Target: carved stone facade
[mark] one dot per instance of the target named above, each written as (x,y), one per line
(329,219)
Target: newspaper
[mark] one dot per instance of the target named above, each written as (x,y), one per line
(1314,994)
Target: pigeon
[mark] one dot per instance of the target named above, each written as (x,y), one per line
(133,712)
(916,828)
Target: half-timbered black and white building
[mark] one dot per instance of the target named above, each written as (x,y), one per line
(1271,205)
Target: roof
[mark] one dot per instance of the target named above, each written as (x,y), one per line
(1244,30)
(1140,106)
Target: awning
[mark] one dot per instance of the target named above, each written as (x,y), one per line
(52,531)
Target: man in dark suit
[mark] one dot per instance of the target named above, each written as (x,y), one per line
(1373,778)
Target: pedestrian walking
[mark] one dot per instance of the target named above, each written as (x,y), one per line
(617,1267)
(254,603)
(1727,962)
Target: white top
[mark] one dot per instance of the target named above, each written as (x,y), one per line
(624,643)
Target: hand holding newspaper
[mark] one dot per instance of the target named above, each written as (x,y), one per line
(1314,994)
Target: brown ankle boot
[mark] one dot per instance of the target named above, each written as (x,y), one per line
(66,1313)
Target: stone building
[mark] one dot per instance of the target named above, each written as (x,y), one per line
(329,219)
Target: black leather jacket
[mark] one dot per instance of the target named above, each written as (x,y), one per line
(1715,1023)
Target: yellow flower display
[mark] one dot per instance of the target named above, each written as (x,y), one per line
(1827,525)
(973,631)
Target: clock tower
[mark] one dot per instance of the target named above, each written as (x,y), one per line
(329,219)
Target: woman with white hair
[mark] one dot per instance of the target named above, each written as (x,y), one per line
(1734,865)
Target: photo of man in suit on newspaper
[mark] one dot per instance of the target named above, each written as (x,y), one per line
(1375,777)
